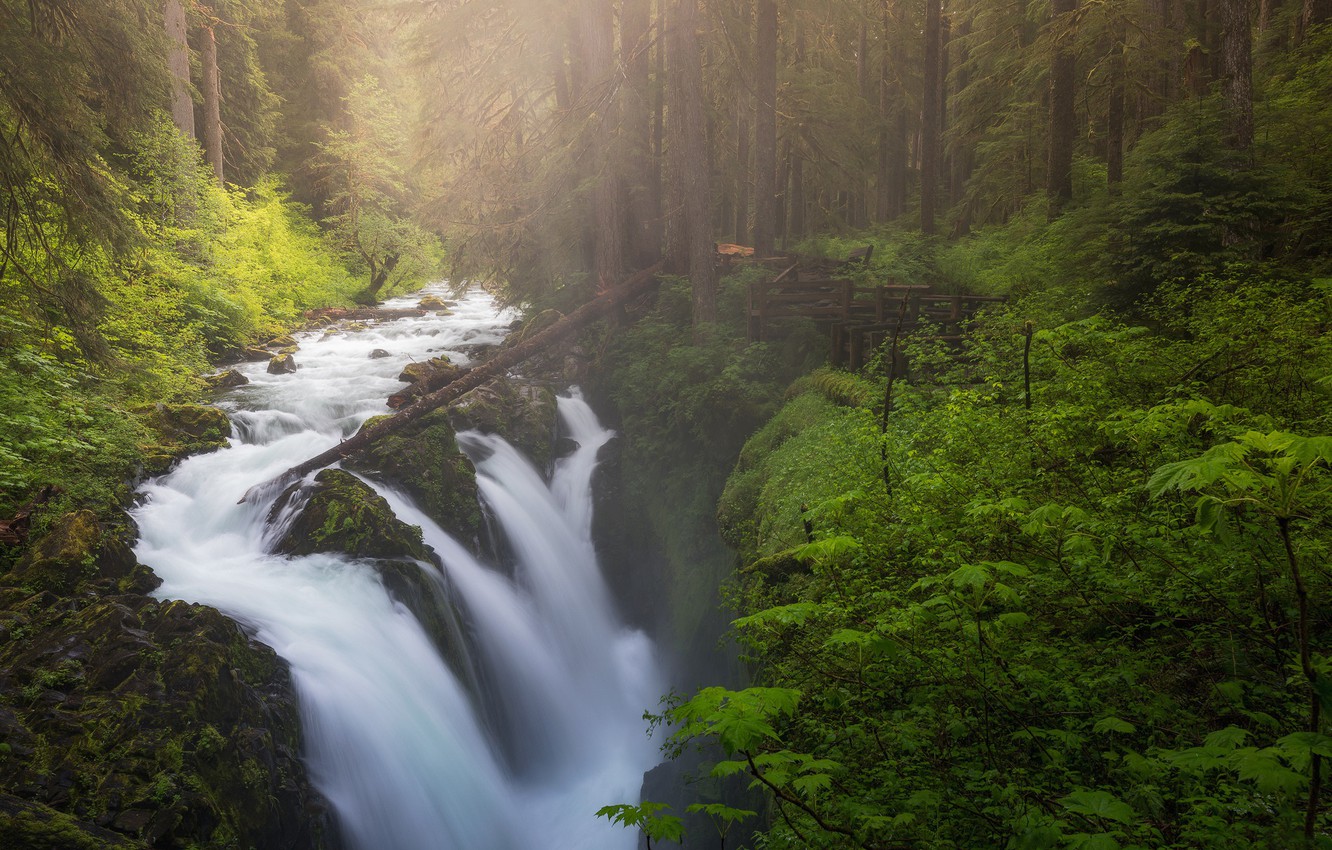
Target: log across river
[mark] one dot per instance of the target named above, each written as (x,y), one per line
(547,725)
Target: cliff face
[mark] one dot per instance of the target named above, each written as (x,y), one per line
(126,721)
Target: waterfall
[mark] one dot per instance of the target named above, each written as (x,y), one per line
(410,757)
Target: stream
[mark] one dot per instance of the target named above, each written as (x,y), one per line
(411,755)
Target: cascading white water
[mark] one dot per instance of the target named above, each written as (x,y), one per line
(393,738)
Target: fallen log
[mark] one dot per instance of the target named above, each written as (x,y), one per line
(492,368)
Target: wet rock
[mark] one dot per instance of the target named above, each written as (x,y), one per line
(255,355)
(343,514)
(423,378)
(64,557)
(284,341)
(379,354)
(522,412)
(183,430)
(424,461)
(193,423)
(423,590)
(435,303)
(282,364)
(226,380)
(29,825)
(435,371)
(128,722)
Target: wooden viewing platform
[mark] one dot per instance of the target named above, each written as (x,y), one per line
(859,316)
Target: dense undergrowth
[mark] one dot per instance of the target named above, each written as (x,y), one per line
(93,331)
(1088,614)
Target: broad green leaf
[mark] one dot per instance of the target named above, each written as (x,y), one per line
(722,812)
(794,614)
(1114,724)
(1306,743)
(1101,804)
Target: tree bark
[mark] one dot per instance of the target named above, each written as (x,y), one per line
(212,96)
(178,65)
(765,127)
(494,367)
(596,39)
(797,226)
(741,174)
(696,176)
(929,117)
(1237,72)
(636,168)
(1114,119)
(1059,172)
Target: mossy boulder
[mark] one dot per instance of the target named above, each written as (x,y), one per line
(200,426)
(522,412)
(343,514)
(424,461)
(282,364)
(226,380)
(434,302)
(436,371)
(129,722)
(183,430)
(76,550)
(284,341)
(31,826)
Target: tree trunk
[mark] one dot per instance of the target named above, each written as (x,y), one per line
(797,227)
(1114,119)
(929,117)
(1059,172)
(659,132)
(212,95)
(178,65)
(636,168)
(963,159)
(741,174)
(596,41)
(697,180)
(765,127)
(496,366)
(1237,72)
(945,68)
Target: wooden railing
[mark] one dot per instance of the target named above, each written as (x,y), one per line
(859,316)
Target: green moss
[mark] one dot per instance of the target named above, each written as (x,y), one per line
(800,460)
(27,825)
(424,460)
(63,557)
(523,413)
(345,515)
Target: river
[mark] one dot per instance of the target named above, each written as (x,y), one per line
(410,755)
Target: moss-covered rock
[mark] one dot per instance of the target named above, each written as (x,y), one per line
(522,412)
(128,722)
(424,461)
(434,302)
(194,424)
(76,550)
(343,514)
(436,371)
(226,380)
(183,430)
(282,364)
(31,826)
